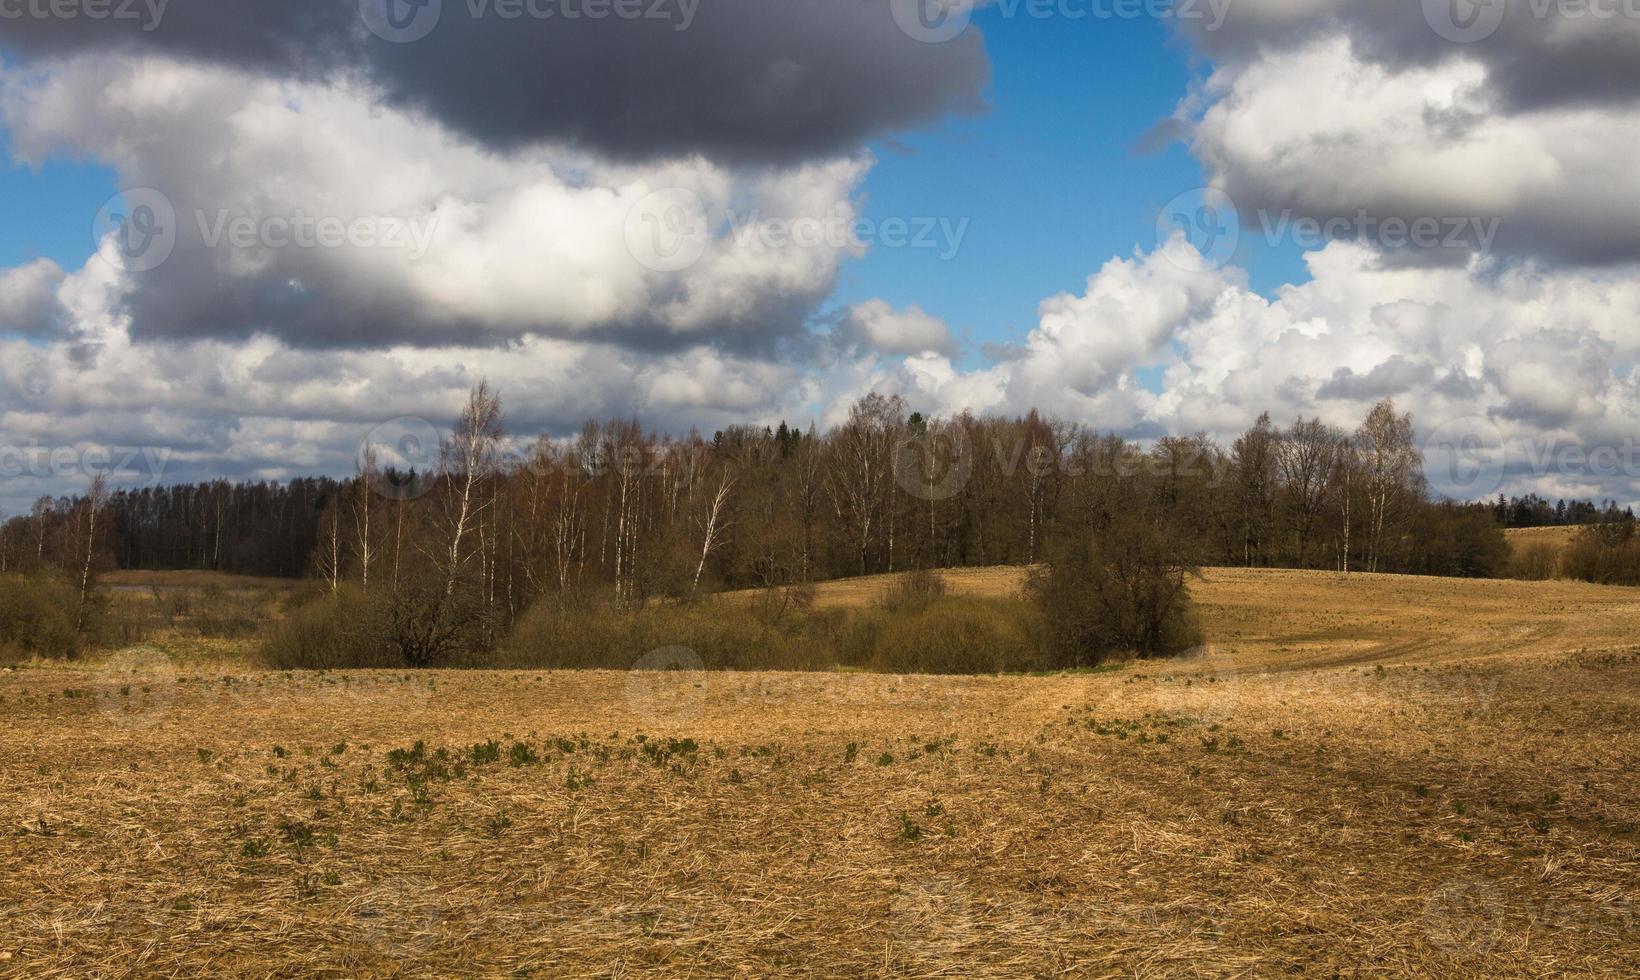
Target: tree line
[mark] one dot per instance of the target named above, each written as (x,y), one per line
(1532,510)
(645,513)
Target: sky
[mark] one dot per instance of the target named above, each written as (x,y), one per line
(242,239)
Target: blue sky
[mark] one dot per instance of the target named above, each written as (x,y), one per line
(1050,178)
(41,207)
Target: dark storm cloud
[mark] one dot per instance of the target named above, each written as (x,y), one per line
(309,301)
(734,80)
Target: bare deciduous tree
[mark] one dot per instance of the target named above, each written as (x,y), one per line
(467,461)
(1392,470)
(861,478)
(91,508)
(1305,460)
(363,506)
(714,522)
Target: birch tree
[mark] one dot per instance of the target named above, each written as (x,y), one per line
(714,522)
(467,460)
(91,509)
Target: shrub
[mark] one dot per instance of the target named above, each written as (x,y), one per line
(771,632)
(1534,562)
(1120,593)
(727,634)
(1607,553)
(961,636)
(37,617)
(122,620)
(918,631)
(229,614)
(342,630)
(913,592)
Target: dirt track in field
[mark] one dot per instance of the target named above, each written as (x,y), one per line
(1379,774)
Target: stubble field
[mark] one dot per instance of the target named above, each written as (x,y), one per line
(1372,774)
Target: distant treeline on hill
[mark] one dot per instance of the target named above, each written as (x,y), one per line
(1534,511)
(650,514)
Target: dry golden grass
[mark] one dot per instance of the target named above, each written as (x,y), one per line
(1559,537)
(1373,774)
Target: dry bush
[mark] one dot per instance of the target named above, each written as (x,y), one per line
(220,613)
(1608,554)
(37,617)
(592,634)
(1122,596)
(773,631)
(172,603)
(340,630)
(420,622)
(775,604)
(1536,562)
(913,592)
(961,636)
(917,629)
(122,620)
